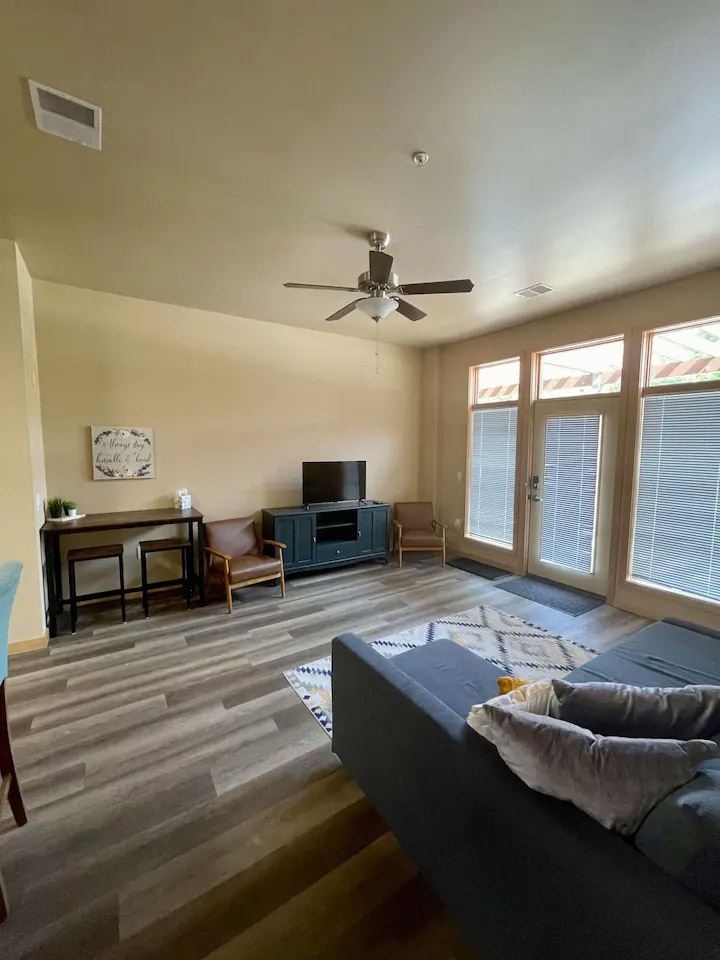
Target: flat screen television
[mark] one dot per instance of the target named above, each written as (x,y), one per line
(332,481)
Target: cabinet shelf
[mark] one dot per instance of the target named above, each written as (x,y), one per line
(334,526)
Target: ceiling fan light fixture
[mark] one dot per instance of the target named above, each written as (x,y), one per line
(377,308)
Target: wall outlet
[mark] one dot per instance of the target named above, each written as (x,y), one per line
(459,476)
(457,523)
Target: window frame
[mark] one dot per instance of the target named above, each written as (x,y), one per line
(645,390)
(595,342)
(491,405)
(473,401)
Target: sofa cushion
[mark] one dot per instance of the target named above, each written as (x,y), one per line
(451,673)
(623,710)
(682,833)
(661,655)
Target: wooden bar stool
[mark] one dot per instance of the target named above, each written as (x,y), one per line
(158,546)
(107,551)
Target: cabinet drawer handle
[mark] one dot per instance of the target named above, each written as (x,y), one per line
(314,539)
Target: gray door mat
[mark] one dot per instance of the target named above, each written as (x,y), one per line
(555,595)
(479,569)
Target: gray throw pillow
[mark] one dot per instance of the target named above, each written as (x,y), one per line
(622,710)
(616,780)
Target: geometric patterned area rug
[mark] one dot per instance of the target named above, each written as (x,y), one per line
(519,648)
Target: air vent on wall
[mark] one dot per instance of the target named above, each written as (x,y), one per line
(536,290)
(64,116)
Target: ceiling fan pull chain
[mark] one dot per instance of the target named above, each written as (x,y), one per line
(377,348)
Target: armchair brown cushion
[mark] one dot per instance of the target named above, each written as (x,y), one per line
(421,538)
(252,566)
(415,516)
(237,538)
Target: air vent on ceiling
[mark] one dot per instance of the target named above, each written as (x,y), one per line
(64,116)
(536,290)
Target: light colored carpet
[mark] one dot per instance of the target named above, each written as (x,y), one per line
(519,648)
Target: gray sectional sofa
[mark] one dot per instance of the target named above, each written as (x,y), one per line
(525,874)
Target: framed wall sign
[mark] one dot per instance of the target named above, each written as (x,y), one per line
(122,453)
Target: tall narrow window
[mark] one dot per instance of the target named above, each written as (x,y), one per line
(493,440)
(676,535)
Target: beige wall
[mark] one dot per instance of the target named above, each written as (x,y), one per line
(22,472)
(682,300)
(236,405)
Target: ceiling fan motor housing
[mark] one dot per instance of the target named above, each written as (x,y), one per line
(365,283)
(379,240)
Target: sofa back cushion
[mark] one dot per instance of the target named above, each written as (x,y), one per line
(661,655)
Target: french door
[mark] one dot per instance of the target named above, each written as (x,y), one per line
(571,490)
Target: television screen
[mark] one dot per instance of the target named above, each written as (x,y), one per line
(326,482)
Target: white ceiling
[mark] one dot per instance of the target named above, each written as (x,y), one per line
(249,143)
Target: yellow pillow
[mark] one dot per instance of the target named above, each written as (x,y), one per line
(506,684)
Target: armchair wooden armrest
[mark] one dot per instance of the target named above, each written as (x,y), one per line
(276,543)
(398,525)
(216,553)
(443,526)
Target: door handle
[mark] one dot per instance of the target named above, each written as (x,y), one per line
(535,498)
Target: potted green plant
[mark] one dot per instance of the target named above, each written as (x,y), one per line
(70,508)
(55,507)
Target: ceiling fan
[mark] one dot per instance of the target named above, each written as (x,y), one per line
(382,287)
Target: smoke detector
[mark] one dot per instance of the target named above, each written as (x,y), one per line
(64,116)
(536,290)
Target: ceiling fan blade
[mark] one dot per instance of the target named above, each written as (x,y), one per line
(344,311)
(380,266)
(408,310)
(439,286)
(319,286)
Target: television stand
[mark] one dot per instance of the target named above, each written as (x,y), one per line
(324,535)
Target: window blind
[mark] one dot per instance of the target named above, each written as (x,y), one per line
(676,539)
(492,475)
(572,447)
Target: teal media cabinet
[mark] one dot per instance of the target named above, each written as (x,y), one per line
(329,535)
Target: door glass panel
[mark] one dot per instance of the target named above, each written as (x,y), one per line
(570,486)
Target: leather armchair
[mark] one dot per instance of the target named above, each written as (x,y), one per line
(417,529)
(236,556)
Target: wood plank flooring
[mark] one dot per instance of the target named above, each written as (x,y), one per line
(184,804)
